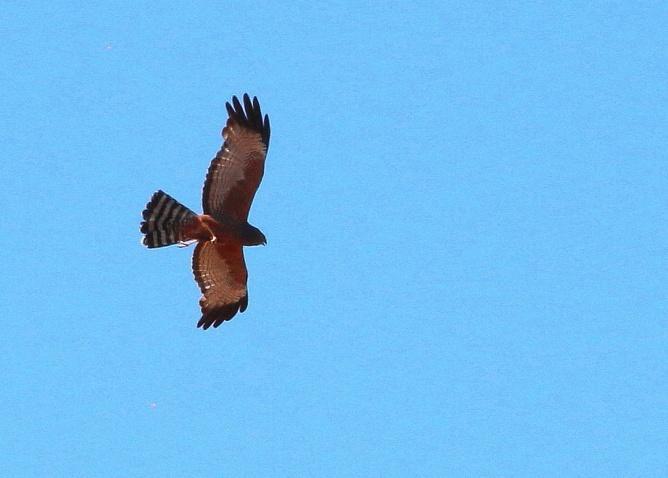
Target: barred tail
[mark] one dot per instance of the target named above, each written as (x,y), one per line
(164,221)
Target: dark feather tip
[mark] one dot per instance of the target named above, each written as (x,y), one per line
(238,109)
(249,115)
(249,108)
(218,316)
(229,109)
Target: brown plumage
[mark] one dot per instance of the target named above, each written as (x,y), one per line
(221,232)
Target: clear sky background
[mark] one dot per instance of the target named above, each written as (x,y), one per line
(465,208)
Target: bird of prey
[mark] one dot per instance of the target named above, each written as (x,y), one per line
(222,230)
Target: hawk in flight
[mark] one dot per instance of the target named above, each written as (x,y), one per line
(223,229)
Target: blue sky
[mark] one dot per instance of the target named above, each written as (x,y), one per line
(465,208)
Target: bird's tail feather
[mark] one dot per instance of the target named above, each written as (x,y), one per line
(164,221)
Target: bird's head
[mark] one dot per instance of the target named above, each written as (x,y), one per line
(253,236)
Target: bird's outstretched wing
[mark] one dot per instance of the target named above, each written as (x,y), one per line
(220,272)
(235,173)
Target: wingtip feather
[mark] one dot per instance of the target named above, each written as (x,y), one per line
(238,109)
(222,314)
(249,114)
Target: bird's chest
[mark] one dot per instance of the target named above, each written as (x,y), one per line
(225,231)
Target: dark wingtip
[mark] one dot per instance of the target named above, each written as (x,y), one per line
(253,112)
(238,109)
(217,316)
(267,130)
(229,109)
(249,115)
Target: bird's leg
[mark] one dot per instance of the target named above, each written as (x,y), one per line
(186,243)
(206,223)
(213,236)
